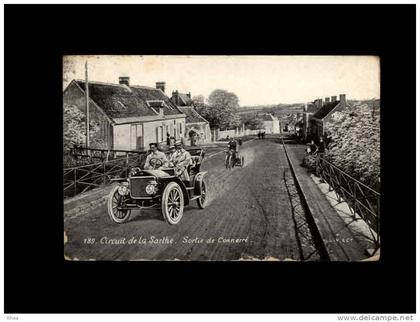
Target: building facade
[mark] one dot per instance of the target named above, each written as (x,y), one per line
(197,128)
(317,124)
(270,122)
(130,117)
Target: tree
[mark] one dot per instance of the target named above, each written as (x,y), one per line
(221,97)
(355,143)
(251,121)
(68,70)
(74,129)
(221,110)
(198,100)
(254,124)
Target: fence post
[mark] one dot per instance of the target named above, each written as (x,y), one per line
(75,179)
(104,175)
(354,200)
(126,165)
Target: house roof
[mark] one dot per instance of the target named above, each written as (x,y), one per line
(183,99)
(192,115)
(311,108)
(325,109)
(122,101)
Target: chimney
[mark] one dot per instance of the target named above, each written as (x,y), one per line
(319,102)
(125,80)
(161,86)
(327,100)
(343,98)
(175,97)
(333,98)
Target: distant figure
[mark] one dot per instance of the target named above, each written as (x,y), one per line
(168,139)
(263,135)
(240,142)
(172,140)
(313,147)
(328,140)
(321,147)
(227,138)
(259,135)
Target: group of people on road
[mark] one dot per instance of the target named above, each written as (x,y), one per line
(261,135)
(316,149)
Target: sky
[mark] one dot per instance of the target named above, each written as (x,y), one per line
(256,80)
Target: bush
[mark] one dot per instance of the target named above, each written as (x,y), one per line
(355,144)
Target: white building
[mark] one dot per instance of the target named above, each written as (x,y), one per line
(271,123)
(130,117)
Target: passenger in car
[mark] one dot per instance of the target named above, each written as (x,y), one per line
(181,160)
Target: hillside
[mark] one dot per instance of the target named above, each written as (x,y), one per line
(277,109)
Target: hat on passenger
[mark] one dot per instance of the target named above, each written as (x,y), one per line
(172,147)
(153,145)
(178,143)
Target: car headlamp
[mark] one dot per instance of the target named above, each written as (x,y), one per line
(123,190)
(151,188)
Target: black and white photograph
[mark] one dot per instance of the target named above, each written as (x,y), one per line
(221,158)
(179,160)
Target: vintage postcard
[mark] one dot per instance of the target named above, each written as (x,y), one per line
(221,158)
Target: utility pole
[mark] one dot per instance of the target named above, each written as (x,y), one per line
(87,105)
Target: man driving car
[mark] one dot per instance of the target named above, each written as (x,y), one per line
(154,156)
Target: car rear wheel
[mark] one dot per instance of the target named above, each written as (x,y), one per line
(202,201)
(172,203)
(115,202)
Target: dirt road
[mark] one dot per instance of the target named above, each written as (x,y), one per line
(248,217)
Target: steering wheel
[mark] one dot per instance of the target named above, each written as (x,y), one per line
(155,163)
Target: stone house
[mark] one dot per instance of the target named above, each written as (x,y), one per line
(325,113)
(130,116)
(197,127)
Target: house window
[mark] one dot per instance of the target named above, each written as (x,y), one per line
(159,134)
(180,129)
(136,137)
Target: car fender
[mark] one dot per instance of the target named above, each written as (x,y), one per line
(199,177)
(119,180)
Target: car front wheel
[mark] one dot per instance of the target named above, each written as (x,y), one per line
(172,203)
(116,203)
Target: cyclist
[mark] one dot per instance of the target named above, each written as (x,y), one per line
(233,148)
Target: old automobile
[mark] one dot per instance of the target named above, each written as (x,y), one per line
(158,188)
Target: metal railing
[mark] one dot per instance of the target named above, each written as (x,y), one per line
(79,179)
(362,199)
